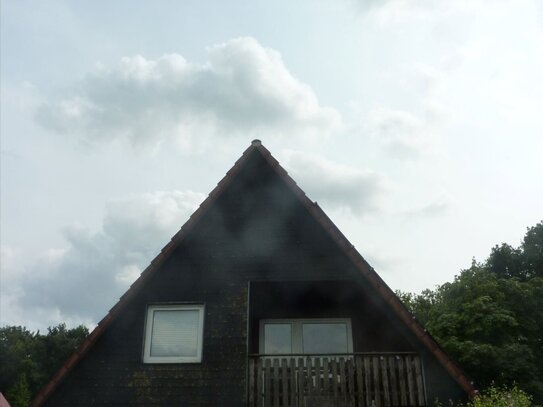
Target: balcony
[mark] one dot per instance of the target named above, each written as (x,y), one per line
(339,380)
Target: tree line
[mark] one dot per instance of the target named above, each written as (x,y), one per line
(489,319)
(29,359)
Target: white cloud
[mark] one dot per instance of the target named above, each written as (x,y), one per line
(73,284)
(413,132)
(128,274)
(396,10)
(243,88)
(401,133)
(336,185)
(428,210)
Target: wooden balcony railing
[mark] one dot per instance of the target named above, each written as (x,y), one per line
(346,380)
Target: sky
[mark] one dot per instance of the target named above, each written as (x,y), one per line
(416,125)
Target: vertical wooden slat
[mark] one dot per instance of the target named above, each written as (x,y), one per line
(301,381)
(252,382)
(293,390)
(420,384)
(317,376)
(350,374)
(275,382)
(359,381)
(376,381)
(284,381)
(402,376)
(309,381)
(410,380)
(334,376)
(343,392)
(259,382)
(386,386)
(393,380)
(267,384)
(309,378)
(367,380)
(325,376)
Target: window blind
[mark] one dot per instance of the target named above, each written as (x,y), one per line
(174,333)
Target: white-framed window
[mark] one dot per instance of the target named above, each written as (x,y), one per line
(174,333)
(316,336)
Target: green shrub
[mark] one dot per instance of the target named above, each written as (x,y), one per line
(502,397)
(495,396)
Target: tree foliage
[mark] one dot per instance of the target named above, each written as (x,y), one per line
(29,359)
(496,396)
(19,394)
(490,318)
(502,397)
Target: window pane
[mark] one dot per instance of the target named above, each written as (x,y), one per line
(325,338)
(175,333)
(277,338)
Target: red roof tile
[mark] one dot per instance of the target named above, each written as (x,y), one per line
(3,401)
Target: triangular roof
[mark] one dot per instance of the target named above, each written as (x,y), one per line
(318,214)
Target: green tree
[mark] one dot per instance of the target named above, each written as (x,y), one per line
(490,318)
(19,350)
(532,250)
(28,360)
(58,345)
(19,394)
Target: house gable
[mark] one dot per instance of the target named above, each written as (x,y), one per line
(256,228)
